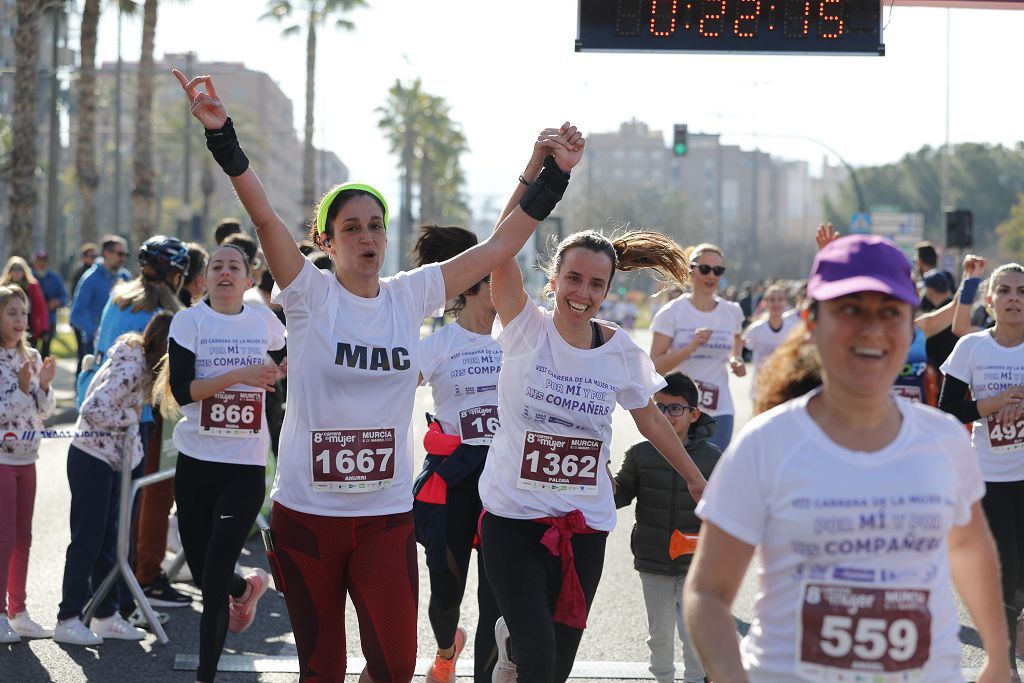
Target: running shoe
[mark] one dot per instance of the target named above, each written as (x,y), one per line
(241,611)
(26,628)
(443,670)
(74,632)
(116,628)
(161,594)
(138,618)
(7,634)
(505,669)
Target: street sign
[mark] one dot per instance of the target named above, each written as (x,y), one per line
(860,223)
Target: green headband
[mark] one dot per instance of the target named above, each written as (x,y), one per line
(325,203)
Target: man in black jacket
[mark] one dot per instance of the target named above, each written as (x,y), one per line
(665,509)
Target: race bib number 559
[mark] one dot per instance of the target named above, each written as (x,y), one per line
(884,634)
(353,460)
(566,464)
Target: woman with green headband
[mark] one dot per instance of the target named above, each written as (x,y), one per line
(342,500)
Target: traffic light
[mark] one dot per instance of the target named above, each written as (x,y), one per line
(959,228)
(679,141)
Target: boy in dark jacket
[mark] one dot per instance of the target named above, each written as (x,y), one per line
(664,506)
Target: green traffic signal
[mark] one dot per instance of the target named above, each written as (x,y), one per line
(679,149)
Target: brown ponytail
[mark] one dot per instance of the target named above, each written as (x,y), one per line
(792,370)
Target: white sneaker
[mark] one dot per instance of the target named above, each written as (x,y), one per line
(505,669)
(116,628)
(74,632)
(7,634)
(26,628)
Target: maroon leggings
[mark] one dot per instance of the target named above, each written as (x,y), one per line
(373,559)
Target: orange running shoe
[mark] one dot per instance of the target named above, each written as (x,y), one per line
(443,670)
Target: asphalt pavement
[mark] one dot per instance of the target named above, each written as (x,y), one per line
(613,648)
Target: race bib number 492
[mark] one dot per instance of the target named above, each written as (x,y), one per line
(231,413)
(564,464)
(353,460)
(883,634)
(1005,438)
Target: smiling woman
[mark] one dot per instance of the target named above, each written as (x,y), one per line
(853,450)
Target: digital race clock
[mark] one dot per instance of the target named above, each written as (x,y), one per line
(784,26)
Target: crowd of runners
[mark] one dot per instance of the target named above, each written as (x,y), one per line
(865,505)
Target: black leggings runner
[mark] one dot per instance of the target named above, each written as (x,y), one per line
(1004,508)
(217,506)
(448,587)
(526,581)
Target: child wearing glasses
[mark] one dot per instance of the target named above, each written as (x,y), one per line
(664,512)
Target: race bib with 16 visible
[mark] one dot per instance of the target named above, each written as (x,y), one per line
(853,633)
(353,460)
(231,413)
(478,425)
(563,464)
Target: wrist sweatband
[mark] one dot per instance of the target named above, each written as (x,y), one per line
(223,143)
(543,194)
(969,290)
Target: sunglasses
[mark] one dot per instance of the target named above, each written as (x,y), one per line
(673,409)
(705,269)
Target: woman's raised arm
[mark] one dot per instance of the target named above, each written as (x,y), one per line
(278,245)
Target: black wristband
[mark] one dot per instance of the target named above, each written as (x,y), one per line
(543,194)
(223,143)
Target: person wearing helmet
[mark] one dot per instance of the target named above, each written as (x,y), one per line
(163,265)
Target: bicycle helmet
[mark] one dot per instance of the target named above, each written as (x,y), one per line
(160,255)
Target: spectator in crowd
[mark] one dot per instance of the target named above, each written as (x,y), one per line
(194,286)
(92,293)
(224,229)
(86,257)
(54,293)
(937,294)
(928,263)
(17,272)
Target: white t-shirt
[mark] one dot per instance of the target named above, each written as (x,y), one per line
(708,365)
(230,426)
(837,528)
(548,457)
(461,368)
(762,340)
(990,369)
(346,444)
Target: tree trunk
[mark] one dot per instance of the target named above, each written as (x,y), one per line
(308,161)
(24,129)
(142,191)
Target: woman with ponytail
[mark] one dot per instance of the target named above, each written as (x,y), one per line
(454,360)
(547,498)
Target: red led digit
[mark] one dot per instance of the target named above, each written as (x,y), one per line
(830,23)
(796,18)
(627,18)
(658,18)
(712,19)
(746,22)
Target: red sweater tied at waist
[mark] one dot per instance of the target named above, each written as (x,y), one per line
(436,442)
(571,607)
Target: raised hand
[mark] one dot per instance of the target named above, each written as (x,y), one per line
(825,235)
(47,373)
(25,377)
(206,106)
(974,266)
(570,151)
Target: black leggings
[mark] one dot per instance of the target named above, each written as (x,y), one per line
(1004,508)
(217,506)
(448,587)
(526,581)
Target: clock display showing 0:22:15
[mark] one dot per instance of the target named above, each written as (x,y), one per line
(734,18)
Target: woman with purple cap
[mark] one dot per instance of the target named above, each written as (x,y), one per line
(342,521)
(864,509)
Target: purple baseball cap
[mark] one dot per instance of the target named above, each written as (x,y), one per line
(861,263)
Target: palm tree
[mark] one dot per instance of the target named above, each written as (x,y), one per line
(316,12)
(421,132)
(85,151)
(25,127)
(143,205)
